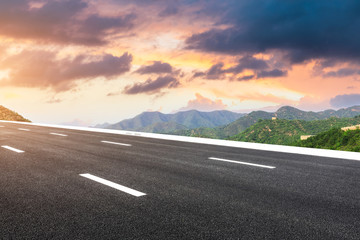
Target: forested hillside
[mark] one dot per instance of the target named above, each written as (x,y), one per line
(335,139)
(288,132)
(286,112)
(8,115)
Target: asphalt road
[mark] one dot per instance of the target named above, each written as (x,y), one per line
(167,190)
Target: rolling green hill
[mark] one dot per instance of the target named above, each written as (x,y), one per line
(334,139)
(8,115)
(228,130)
(288,132)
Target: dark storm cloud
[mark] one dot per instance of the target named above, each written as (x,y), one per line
(41,69)
(58,21)
(346,100)
(304,29)
(157,67)
(152,86)
(343,72)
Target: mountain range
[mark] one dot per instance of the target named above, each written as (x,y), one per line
(219,124)
(286,112)
(165,123)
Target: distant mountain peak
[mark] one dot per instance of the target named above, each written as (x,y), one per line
(288,108)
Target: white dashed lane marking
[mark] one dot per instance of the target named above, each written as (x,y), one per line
(113,185)
(117,143)
(12,149)
(244,163)
(59,134)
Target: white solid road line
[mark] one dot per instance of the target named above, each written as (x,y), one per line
(13,149)
(59,134)
(113,185)
(24,129)
(244,163)
(116,143)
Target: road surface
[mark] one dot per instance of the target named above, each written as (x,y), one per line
(68,184)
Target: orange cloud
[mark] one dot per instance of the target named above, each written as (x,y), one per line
(41,69)
(202,103)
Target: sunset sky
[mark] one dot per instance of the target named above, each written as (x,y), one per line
(86,62)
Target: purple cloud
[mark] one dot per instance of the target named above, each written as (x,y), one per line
(343,72)
(246,78)
(272,73)
(346,100)
(152,86)
(157,67)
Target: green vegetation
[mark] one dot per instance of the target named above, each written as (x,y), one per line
(335,139)
(225,131)
(8,115)
(199,132)
(288,132)
(243,123)
(162,127)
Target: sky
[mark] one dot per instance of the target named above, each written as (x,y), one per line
(85,62)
